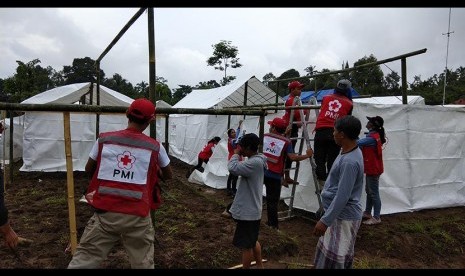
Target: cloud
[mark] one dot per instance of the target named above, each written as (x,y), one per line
(268,39)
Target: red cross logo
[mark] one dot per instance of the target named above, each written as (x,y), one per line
(125,160)
(334,106)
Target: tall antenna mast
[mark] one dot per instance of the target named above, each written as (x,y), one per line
(447,55)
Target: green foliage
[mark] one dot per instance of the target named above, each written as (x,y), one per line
(29,80)
(118,83)
(432,89)
(281,87)
(82,70)
(181,92)
(224,56)
(368,80)
(227,80)
(207,85)
(391,84)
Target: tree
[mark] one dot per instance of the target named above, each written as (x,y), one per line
(270,77)
(282,87)
(118,83)
(82,70)
(391,84)
(181,92)
(310,72)
(224,56)
(162,90)
(368,79)
(227,80)
(141,88)
(207,85)
(29,80)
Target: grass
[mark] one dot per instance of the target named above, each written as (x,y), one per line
(370,263)
(56,200)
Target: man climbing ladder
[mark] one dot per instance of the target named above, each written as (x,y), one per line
(303,123)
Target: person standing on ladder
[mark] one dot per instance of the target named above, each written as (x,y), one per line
(295,90)
(277,148)
(333,107)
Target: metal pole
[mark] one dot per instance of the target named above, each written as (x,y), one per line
(447,55)
(152,81)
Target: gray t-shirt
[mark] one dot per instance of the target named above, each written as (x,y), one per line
(343,189)
(247,204)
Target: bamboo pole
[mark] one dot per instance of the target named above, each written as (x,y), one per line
(70,181)
(252,263)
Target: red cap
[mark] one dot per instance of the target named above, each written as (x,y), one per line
(295,84)
(278,123)
(142,109)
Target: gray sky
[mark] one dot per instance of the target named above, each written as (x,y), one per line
(268,39)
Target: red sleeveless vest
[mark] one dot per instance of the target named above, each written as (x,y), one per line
(373,156)
(275,150)
(333,107)
(126,173)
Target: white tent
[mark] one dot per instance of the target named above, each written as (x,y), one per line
(391,100)
(424,159)
(18,123)
(43,136)
(161,121)
(190,133)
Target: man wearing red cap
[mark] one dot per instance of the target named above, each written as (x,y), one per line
(277,148)
(124,166)
(295,90)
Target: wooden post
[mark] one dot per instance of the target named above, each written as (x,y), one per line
(70,181)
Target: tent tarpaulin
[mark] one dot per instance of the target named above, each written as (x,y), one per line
(423,158)
(190,133)
(231,95)
(43,137)
(391,100)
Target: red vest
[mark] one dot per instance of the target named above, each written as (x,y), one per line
(287,114)
(373,156)
(207,151)
(231,149)
(126,173)
(275,150)
(333,107)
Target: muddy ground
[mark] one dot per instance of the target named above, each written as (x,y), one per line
(190,232)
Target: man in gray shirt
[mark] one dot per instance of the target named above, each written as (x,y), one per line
(246,208)
(341,195)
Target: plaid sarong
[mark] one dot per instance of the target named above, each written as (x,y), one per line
(335,250)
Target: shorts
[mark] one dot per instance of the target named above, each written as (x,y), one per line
(246,234)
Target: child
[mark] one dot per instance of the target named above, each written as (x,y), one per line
(372,150)
(204,155)
(246,208)
(233,137)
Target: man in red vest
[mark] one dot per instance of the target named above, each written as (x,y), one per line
(124,166)
(333,107)
(295,90)
(277,147)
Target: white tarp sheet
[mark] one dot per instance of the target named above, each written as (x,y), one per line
(43,136)
(391,100)
(424,158)
(18,123)
(188,134)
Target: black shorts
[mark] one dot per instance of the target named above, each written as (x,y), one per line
(246,234)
